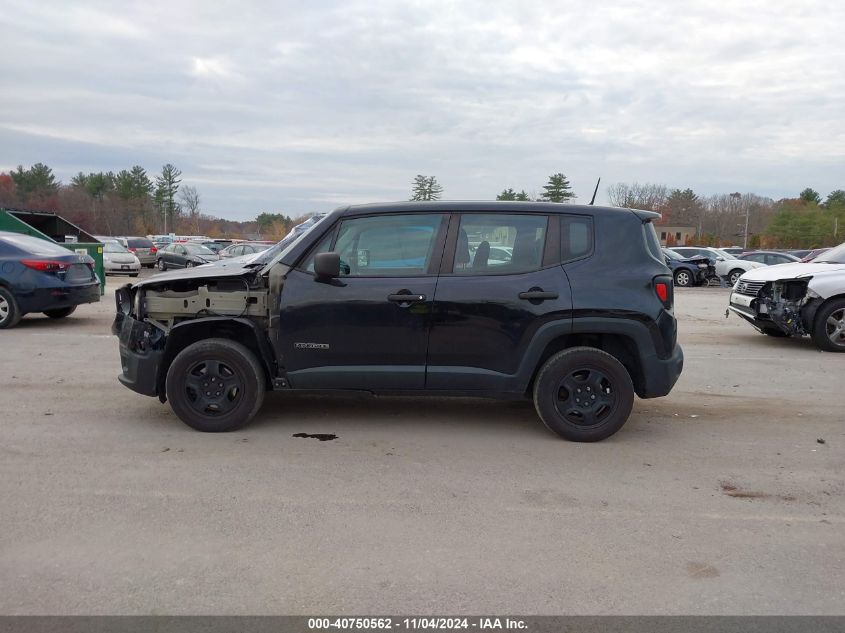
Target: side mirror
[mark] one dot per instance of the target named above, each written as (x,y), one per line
(327,265)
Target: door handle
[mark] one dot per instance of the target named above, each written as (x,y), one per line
(537,294)
(405,297)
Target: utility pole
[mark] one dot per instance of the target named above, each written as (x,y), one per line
(738,196)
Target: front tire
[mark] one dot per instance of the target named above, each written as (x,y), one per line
(683,278)
(161,265)
(829,327)
(10,311)
(734,276)
(583,394)
(60,313)
(215,385)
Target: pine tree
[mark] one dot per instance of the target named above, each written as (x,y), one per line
(557,189)
(507,194)
(167,184)
(425,188)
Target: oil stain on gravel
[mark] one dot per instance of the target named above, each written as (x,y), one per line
(701,570)
(737,493)
(323,437)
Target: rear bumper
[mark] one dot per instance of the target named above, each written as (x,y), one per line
(57,297)
(661,374)
(118,269)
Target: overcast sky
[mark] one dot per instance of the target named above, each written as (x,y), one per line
(303,106)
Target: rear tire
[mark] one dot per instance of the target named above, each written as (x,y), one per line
(683,278)
(10,311)
(583,394)
(829,327)
(60,313)
(215,385)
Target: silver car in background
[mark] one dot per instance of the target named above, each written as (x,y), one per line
(117,260)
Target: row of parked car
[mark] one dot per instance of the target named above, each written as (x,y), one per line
(124,255)
(704,265)
(196,253)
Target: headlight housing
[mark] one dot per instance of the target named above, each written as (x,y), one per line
(123,300)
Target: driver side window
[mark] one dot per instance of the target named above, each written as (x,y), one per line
(383,246)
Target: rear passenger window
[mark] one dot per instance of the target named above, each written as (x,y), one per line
(576,237)
(500,244)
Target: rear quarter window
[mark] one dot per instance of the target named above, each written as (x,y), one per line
(576,237)
(652,243)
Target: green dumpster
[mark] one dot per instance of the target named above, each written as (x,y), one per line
(46,225)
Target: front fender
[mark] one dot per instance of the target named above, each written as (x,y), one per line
(241,330)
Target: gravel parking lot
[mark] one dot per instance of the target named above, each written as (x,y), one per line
(724,498)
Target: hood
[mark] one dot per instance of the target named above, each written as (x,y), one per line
(791,271)
(225,268)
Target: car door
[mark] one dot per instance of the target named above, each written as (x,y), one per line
(487,310)
(178,256)
(367,329)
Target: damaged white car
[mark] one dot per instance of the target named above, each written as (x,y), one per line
(797,299)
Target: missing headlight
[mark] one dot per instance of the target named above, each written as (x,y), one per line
(123,300)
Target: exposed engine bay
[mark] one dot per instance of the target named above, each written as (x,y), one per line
(783,301)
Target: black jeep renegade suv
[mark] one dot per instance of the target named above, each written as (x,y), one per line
(570,305)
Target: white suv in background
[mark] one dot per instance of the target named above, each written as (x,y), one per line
(728,267)
(797,299)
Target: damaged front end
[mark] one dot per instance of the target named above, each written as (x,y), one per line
(157,317)
(784,301)
(785,305)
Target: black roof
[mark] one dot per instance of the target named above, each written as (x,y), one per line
(487,205)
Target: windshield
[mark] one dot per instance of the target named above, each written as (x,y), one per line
(198,249)
(287,241)
(724,254)
(672,254)
(113,247)
(835,255)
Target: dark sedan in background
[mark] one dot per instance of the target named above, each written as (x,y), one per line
(689,271)
(244,248)
(40,276)
(770,258)
(184,255)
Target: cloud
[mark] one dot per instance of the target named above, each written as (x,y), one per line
(211,67)
(308,105)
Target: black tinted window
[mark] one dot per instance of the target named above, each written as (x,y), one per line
(576,237)
(494,244)
(139,242)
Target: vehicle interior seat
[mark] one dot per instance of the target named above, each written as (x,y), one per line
(462,253)
(525,250)
(482,256)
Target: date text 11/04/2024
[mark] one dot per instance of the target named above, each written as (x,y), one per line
(418,623)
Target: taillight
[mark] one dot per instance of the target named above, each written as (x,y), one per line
(153,250)
(45,265)
(664,289)
(132,250)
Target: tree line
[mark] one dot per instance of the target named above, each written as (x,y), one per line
(130,202)
(805,221)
